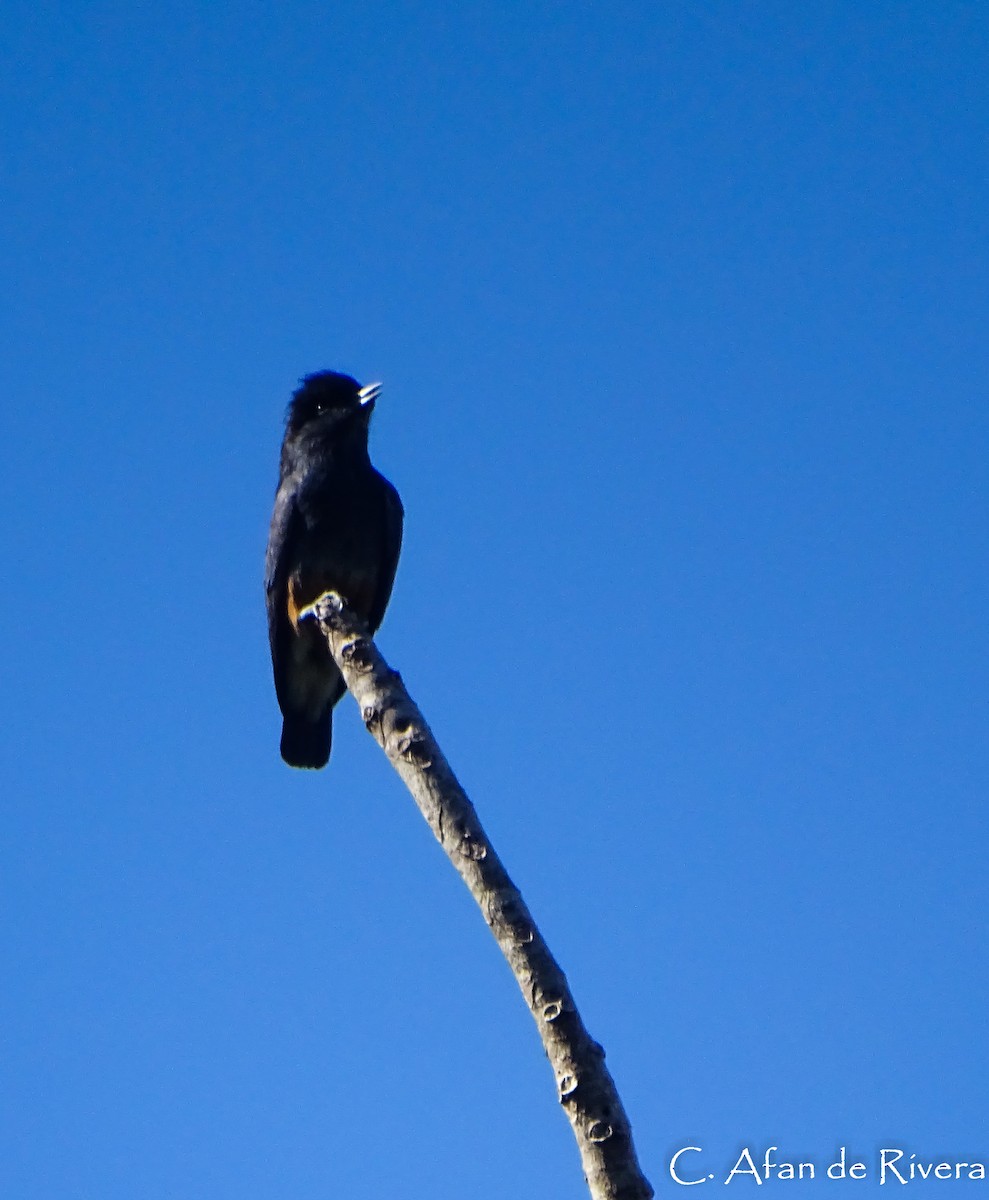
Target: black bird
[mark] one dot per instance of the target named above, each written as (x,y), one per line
(337,525)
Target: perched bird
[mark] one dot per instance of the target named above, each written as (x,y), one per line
(337,525)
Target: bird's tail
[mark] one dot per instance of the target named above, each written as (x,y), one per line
(305,743)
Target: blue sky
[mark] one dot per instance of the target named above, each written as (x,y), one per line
(681,313)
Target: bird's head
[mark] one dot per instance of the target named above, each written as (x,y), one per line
(329,403)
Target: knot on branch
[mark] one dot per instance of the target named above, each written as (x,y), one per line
(513,916)
(357,654)
(552,1009)
(412,744)
(371,716)
(471,848)
(599,1131)
(567,1085)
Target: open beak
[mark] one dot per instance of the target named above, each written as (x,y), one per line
(368,394)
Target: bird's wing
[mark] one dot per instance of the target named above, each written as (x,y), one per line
(286,527)
(391,545)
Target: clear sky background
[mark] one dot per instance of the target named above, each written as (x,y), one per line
(681,312)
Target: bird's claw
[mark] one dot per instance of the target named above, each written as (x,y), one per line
(323,608)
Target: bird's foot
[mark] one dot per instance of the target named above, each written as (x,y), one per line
(324,608)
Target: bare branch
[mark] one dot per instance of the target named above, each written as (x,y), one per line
(584,1085)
